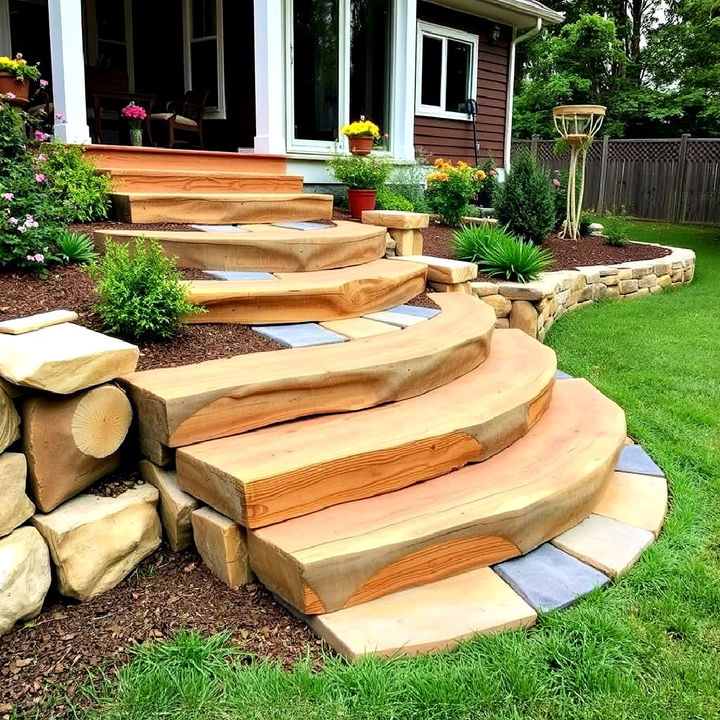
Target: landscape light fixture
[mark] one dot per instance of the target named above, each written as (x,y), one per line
(577,125)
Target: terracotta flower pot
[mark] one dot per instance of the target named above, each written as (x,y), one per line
(360,200)
(360,145)
(19,88)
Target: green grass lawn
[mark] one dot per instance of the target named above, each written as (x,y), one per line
(647,647)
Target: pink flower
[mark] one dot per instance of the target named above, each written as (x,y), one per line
(44,83)
(41,136)
(13,221)
(39,177)
(556,183)
(8,196)
(42,157)
(31,258)
(40,257)
(60,117)
(10,95)
(133,112)
(18,56)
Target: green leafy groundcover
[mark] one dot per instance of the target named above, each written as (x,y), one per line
(647,647)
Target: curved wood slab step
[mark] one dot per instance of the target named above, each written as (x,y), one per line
(308,297)
(220,208)
(280,472)
(270,249)
(169,180)
(188,404)
(482,514)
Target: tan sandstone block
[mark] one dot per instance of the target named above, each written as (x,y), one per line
(664,281)
(677,275)
(524,316)
(443,270)
(175,505)
(482,288)
(396,219)
(637,500)
(9,421)
(463,287)
(610,280)
(22,325)
(625,273)
(407,242)
(613,291)
(502,323)
(222,545)
(96,541)
(24,576)
(15,506)
(628,286)
(648,281)
(501,305)
(640,293)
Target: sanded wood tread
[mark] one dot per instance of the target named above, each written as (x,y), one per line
(183,405)
(220,208)
(270,249)
(202,181)
(540,486)
(309,296)
(279,472)
(111,157)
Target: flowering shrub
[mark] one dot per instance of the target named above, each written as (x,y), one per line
(360,172)
(450,187)
(134,113)
(43,187)
(361,127)
(19,68)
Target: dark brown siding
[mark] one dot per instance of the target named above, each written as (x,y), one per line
(453,139)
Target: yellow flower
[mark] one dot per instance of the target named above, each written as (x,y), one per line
(443,176)
(439,162)
(480,175)
(361,127)
(462,165)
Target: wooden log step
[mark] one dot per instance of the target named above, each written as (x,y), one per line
(279,472)
(169,180)
(183,405)
(220,208)
(265,247)
(308,297)
(482,514)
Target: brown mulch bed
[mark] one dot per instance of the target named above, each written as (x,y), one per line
(69,288)
(166,592)
(88,228)
(568,254)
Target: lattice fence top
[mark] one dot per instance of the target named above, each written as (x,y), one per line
(703,150)
(643,150)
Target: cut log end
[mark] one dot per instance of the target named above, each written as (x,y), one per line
(101,421)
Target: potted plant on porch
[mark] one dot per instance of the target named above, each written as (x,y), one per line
(363,176)
(135,115)
(361,135)
(15,77)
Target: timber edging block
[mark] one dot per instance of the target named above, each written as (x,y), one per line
(23,325)
(396,219)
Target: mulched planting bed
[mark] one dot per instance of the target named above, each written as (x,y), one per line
(568,254)
(166,592)
(69,288)
(87,228)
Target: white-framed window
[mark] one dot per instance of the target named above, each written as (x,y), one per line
(203,53)
(447,61)
(109,37)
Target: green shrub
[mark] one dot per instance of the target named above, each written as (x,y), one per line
(390,200)
(617,232)
(525,202)
(472,211)
(450,187)
(498,253)
(140,289)
(359,172)
(586,221)
(74,247)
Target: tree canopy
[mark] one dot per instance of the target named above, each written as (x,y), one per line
(655,64)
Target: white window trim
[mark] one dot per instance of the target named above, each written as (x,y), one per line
(218,112)
(93,39)
(444,33)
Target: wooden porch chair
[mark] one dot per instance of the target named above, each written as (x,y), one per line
(185,116)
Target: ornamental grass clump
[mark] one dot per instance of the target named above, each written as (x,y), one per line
(525,202)
(141,292)
(498,253)
(450,187)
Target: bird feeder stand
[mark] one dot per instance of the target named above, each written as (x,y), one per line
(577,125)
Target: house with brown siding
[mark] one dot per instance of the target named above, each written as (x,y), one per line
(280,77)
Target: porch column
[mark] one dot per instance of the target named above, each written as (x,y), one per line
(269,77)
(5,41)
(402,137)
(68,71)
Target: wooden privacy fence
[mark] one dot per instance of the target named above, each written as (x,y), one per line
(677,180)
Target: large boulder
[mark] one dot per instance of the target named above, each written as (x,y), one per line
(24,576)
(9,421)
(96,541)
(15,506)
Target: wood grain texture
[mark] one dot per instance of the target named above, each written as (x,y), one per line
(220,208)
(169,180)
(110,157)
(442,270)
(283,471)
(543,484)
(310,296)
(264,247)
(188,404)
(429,618)
(396,219)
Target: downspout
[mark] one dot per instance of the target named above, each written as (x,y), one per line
(511,85)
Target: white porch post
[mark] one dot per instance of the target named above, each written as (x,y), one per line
(68,71)
(402,137)
(5,40)
(269,77)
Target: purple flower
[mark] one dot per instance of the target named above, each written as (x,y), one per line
(8,196)
(41,136)
(40,177)
(40,257)
(44,83)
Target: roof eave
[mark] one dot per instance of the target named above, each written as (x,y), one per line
(508,12)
